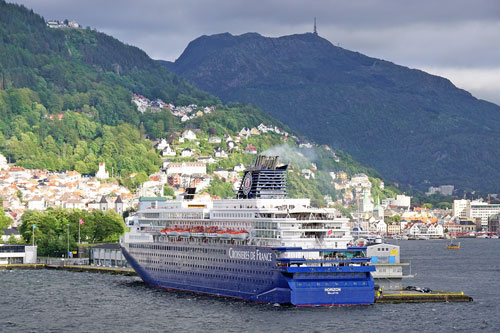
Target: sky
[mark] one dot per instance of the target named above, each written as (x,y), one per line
(457,39)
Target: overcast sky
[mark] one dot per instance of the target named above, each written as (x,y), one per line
(457,39)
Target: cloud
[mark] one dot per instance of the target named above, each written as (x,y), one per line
(483,83)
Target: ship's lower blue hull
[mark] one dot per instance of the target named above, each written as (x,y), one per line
(231,272)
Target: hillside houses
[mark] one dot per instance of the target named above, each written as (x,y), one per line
(185,112)
(23,189)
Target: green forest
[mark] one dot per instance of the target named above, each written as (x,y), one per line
(55,227)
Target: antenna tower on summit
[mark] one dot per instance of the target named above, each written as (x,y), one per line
(315,30)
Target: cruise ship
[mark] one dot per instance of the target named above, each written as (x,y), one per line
(260,246)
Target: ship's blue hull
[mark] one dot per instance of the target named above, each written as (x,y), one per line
(249,273)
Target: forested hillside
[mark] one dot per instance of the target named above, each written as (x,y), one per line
(65,96)
(415,128)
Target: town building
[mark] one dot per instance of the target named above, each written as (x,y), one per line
(214,140)
(494,223)
(107,255)
(168,151)
(401,200)
(389,268)
(443,190)
(477,209)
(17,254)
(188,135)
(186,152)
(102,173)
(188,168)
(459,208)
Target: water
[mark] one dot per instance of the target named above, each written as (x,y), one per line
(59,301)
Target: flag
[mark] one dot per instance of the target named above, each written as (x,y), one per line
(81,221)
(34,226)
(330,232)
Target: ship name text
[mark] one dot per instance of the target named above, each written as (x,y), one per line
(250,255)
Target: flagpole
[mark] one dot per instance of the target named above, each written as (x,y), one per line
(33,234)
(79,232)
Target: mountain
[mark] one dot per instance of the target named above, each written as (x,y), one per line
(413,127)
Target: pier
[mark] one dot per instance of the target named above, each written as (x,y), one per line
(404,296)
(73,268)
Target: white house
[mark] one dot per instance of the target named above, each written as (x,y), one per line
(186,152)
(435,230)
(307,174)
(161,144)
(219,152)
(239,167)
(102,173)
(207,160)
(188,168)
(214,140)
(188,135)
(221,173)
(36,203)
(168,151)
(381,227)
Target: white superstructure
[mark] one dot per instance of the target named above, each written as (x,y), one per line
(269,222)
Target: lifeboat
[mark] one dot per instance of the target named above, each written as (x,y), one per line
(211,232)
(185,233)
(241,235)
(224,234)
(171,232)
(197,232)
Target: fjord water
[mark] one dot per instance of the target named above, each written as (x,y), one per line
(59,301)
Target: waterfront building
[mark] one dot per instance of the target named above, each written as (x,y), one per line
(477,209)
(108,255)
(460,208)
(494,223)
(389,268)
(17,254)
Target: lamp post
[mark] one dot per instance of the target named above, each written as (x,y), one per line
(67,252)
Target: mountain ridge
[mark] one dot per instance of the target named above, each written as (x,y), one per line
(391,117)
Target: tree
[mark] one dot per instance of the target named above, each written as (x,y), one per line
(220,188)
(5,221)
(14,240)
(396,218)
(168,191)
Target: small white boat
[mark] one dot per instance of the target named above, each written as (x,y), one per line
(172,233)
(239,234)
(223,234)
